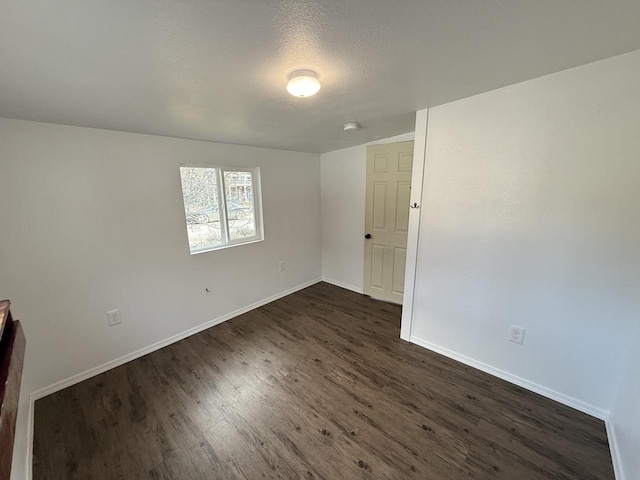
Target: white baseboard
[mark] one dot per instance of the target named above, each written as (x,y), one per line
(615,451)
(43,392)
(342,285)
(559,397)
(92,372)
(30,420)
(521,382)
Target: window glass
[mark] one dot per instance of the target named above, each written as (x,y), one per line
(240,208)
(205,190)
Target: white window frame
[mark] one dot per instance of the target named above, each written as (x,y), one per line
(256,188)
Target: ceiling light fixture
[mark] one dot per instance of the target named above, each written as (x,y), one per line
(303,83)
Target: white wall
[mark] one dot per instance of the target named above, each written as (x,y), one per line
(530,217)
(93,220)
(343,204)
(624,423)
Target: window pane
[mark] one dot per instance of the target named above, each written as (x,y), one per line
(200,195)
(240,205)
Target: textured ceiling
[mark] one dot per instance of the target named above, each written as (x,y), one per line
(216,70)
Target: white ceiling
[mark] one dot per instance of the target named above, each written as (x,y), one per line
(216,70)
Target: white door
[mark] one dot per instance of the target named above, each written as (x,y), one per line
(387,219)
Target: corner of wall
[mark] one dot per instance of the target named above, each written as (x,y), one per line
(614,449)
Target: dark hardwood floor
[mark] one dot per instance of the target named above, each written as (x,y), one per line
(316,385)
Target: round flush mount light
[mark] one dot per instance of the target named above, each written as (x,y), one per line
(350,126)
(303,83)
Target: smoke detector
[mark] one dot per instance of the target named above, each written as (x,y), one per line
(350,126)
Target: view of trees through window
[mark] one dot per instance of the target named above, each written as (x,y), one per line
(204,190)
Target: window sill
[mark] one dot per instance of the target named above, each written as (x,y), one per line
(223,247)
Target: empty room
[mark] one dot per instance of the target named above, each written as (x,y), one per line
(319,239)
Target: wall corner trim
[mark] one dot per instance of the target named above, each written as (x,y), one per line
(30,424)
(413,233)
(614,449)
(521,382)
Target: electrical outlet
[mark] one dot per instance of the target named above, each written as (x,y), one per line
(114,317)
(516,334)
(283,266)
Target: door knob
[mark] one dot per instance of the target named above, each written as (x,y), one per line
(367,236)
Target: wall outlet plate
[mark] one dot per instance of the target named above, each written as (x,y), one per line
(114,318)
(516,334)
(283,266)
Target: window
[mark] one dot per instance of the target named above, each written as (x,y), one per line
(221,206)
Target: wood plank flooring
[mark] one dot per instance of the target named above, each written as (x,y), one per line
(316,385)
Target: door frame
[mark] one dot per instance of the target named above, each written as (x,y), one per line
(413,236)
